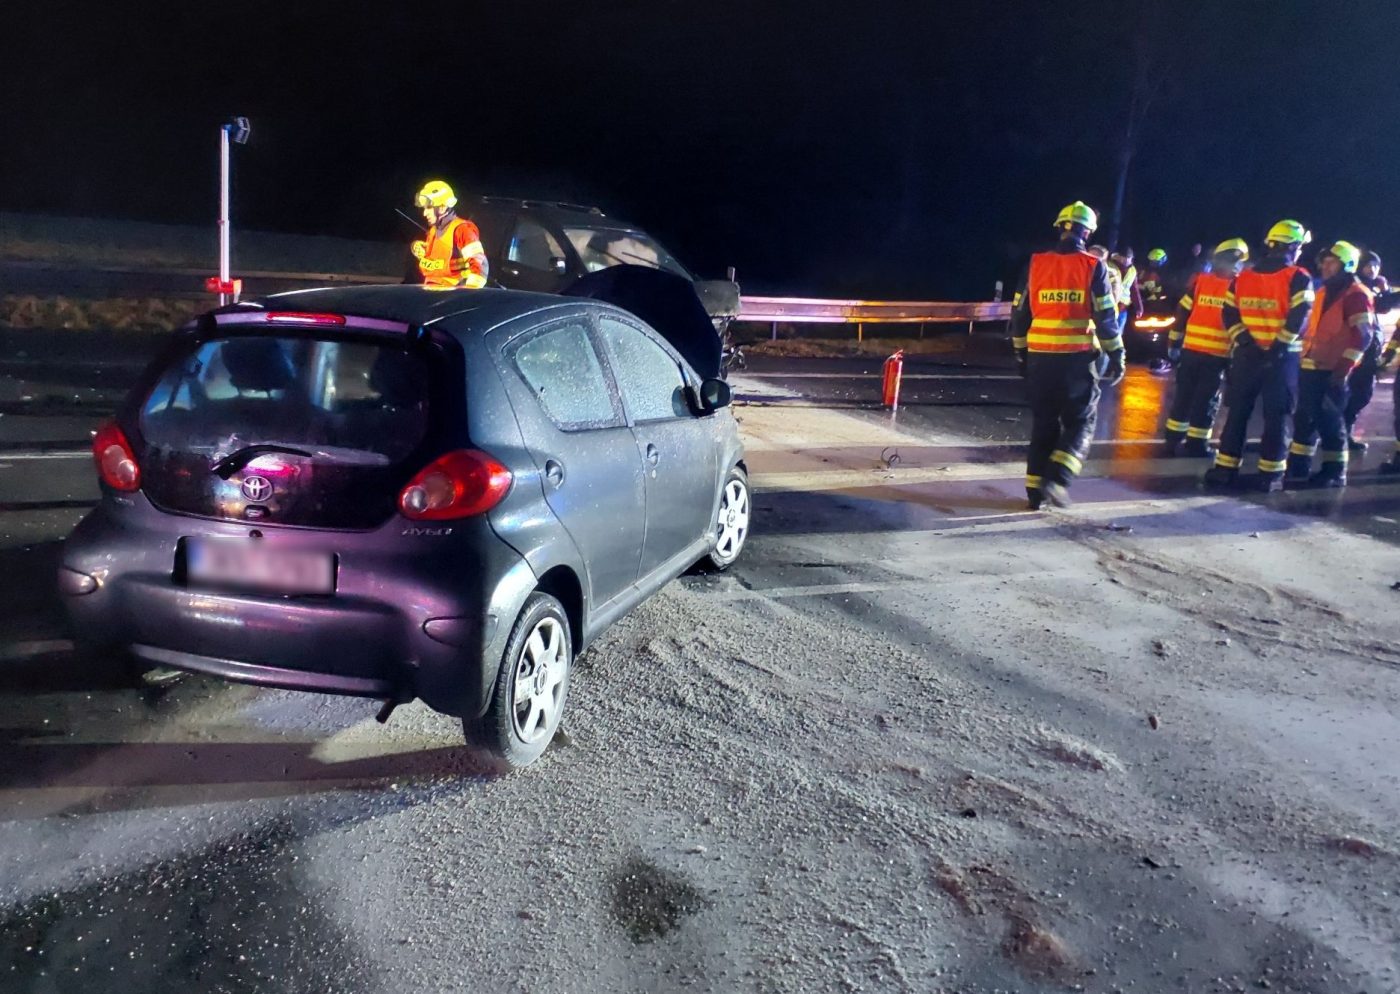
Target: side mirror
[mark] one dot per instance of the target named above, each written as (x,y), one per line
(715,394)
(558,265)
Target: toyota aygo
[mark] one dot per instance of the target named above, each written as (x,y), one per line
(398,493)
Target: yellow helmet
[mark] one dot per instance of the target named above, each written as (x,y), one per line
(1288,233)
(1347,254)
(436,193)
(1234,245)
(1078,213)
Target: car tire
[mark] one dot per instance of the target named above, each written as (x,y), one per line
(526,706)
(732,523)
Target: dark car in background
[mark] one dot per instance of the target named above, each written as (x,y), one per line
(546,246)
(393,492)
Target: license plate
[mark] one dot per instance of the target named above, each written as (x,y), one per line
(252,564)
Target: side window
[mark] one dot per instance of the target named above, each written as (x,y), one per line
(533,247)
(563,371)
(650,380)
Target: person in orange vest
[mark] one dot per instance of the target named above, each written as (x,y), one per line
(452,254)
(1361,386)
(1340,328)
(1199,348)
(1062,299)
(1266,314)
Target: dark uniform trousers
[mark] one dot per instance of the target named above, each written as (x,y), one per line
(1197,397)
(1258,376)
(1362,382)
(1321,418)
(1064,393)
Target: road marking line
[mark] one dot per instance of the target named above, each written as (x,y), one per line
(973,378)
(25,650)
(56,454)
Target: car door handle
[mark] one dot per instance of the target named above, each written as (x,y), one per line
(653,454)
(554,472)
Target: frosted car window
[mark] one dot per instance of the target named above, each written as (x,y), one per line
(566,377)
(353,396)
(649,378)
(602,247)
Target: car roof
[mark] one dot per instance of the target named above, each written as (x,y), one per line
(418,305)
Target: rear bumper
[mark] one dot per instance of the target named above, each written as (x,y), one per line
(266,676)
(412,616)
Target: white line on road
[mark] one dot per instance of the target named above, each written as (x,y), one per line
(54,454)
(26,650)
(972,377)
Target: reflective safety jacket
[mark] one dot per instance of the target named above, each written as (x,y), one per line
(453,256)
(1271,303)
(1066,295)
(1340,326)
(1200,317)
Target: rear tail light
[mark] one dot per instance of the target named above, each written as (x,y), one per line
(457,485)
(300,317)
(116,463)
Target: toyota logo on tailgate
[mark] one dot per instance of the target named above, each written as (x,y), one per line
(256,488)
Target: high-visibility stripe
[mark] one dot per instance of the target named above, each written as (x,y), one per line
(1019,343)
(1272,465)
(1237,330)
(473,248)
(1103,303)
(1353,355)
(1032,482)
(1016,300)
(1360,319)
(1299,449)
(1035,346)
(1075,323)
(1177,426)
(1068,460)
(1330,456)
(1301,297)
(1194,432)
(1308,363)
(1113,344)
(1227,462)
(1186,302)
(473,281)
(1211,341)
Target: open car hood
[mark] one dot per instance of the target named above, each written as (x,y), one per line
(663,300)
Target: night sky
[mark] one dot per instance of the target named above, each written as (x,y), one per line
(911,149)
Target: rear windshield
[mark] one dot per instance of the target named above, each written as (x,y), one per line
(345,401)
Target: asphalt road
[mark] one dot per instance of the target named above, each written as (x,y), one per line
(692,832)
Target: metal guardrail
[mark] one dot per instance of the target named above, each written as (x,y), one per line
(24,276)
(812,310)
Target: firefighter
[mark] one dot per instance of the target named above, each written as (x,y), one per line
(1154,279)
(1062,299)
(1129,293)
(1199,348)
(1362,384)
(1266,313)
(451,255)
(1340,329)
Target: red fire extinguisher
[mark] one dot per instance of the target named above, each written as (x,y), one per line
(894,372)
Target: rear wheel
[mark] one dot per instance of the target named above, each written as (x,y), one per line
(732,526)
(531,686)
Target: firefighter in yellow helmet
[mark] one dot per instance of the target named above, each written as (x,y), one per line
(1199,348)
(1266,315)
(451,255)
(1060,303)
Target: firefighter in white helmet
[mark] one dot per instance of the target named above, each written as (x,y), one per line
(451,255)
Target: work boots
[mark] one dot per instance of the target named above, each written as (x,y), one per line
(1056,494)
(1268,483)
(1332,474)
(1220,477)
(1391,467)
(1198,448)
(1299,468)
(1035,498)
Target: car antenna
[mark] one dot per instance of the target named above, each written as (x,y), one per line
(410,220)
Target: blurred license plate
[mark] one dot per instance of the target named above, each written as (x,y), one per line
(252,564)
